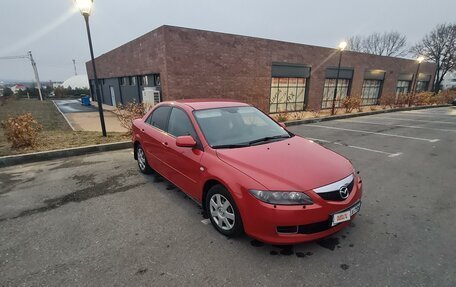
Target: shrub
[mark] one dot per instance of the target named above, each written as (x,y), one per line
(282,117)
(299,115)
(402,100)
(22,130)
(351,103)
(316,113)
(388,100)
(445,97)
(129,112)
(424,98)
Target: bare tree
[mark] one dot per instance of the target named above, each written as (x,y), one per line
(355,43)
(383,44)
(439,46)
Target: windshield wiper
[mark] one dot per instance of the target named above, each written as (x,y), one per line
(265,139)
(230,145)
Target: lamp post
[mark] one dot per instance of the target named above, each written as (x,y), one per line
(341,48)
(419,60)
(85,6)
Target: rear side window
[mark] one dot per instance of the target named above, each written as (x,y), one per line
(159,118)
(179,124)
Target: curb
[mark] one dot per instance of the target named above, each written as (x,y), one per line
(66,119)
(345,116)
(11,160)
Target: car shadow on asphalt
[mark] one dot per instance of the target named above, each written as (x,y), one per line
(304,250)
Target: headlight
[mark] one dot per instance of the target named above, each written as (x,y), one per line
(282,197)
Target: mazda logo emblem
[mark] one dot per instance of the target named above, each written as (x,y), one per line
(343,191)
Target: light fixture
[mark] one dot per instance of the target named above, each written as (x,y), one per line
(342,45)
(84,6)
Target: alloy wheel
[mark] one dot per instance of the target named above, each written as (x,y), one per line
(141,159)
(222,212)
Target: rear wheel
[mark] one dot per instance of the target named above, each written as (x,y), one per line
(223,212)
(142,161)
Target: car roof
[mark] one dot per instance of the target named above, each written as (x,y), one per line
(201,104)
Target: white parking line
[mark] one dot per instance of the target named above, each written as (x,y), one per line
(414,120)
(356,147)
(375,133)
(427,114)
(401,126)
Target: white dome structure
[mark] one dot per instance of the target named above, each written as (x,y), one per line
(78,81)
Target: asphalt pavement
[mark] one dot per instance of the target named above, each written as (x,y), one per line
(73,106)
(96,221)
(86,118)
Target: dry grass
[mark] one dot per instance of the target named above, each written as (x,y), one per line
(56,133)
(43,112)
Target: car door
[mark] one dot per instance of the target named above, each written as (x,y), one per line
(184,161)
(153,132)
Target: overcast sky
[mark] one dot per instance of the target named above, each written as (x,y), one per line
(55,32)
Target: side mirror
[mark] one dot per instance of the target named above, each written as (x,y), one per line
(282,125)
(185,141)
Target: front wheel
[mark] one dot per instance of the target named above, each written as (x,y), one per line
(222,211)
(142,161)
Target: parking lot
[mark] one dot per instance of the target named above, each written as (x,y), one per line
(95,220)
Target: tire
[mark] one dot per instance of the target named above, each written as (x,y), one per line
(224,217)
(142,161)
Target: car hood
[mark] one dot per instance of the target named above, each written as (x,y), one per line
(292,164)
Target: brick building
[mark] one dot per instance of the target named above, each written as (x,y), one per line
(171,63)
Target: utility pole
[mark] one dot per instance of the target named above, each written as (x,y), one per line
(35,70)
(37,77)
(74,65)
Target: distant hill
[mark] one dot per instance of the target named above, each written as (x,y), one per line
(8,81)
(25,83)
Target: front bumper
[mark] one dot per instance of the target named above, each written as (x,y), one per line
(282,224)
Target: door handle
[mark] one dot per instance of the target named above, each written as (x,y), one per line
(165,143)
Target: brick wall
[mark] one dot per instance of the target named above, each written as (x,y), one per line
(144,55)
(203,64)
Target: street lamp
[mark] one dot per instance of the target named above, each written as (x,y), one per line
(85,6)
(341,47)
(415,82)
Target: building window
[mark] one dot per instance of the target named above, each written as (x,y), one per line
(402,87)
(132,81)
(371,92)
(422,86)
(123,81)
(157,80)
(287,94)
(143,81)
(343,86)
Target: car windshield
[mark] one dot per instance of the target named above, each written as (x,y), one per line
(233,127)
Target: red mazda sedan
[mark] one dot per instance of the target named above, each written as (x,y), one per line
(248,172)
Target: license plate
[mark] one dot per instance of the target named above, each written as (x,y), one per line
(345,215)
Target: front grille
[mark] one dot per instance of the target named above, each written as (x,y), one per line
(305,229)
(314,227)
(335,194)
(287,229)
